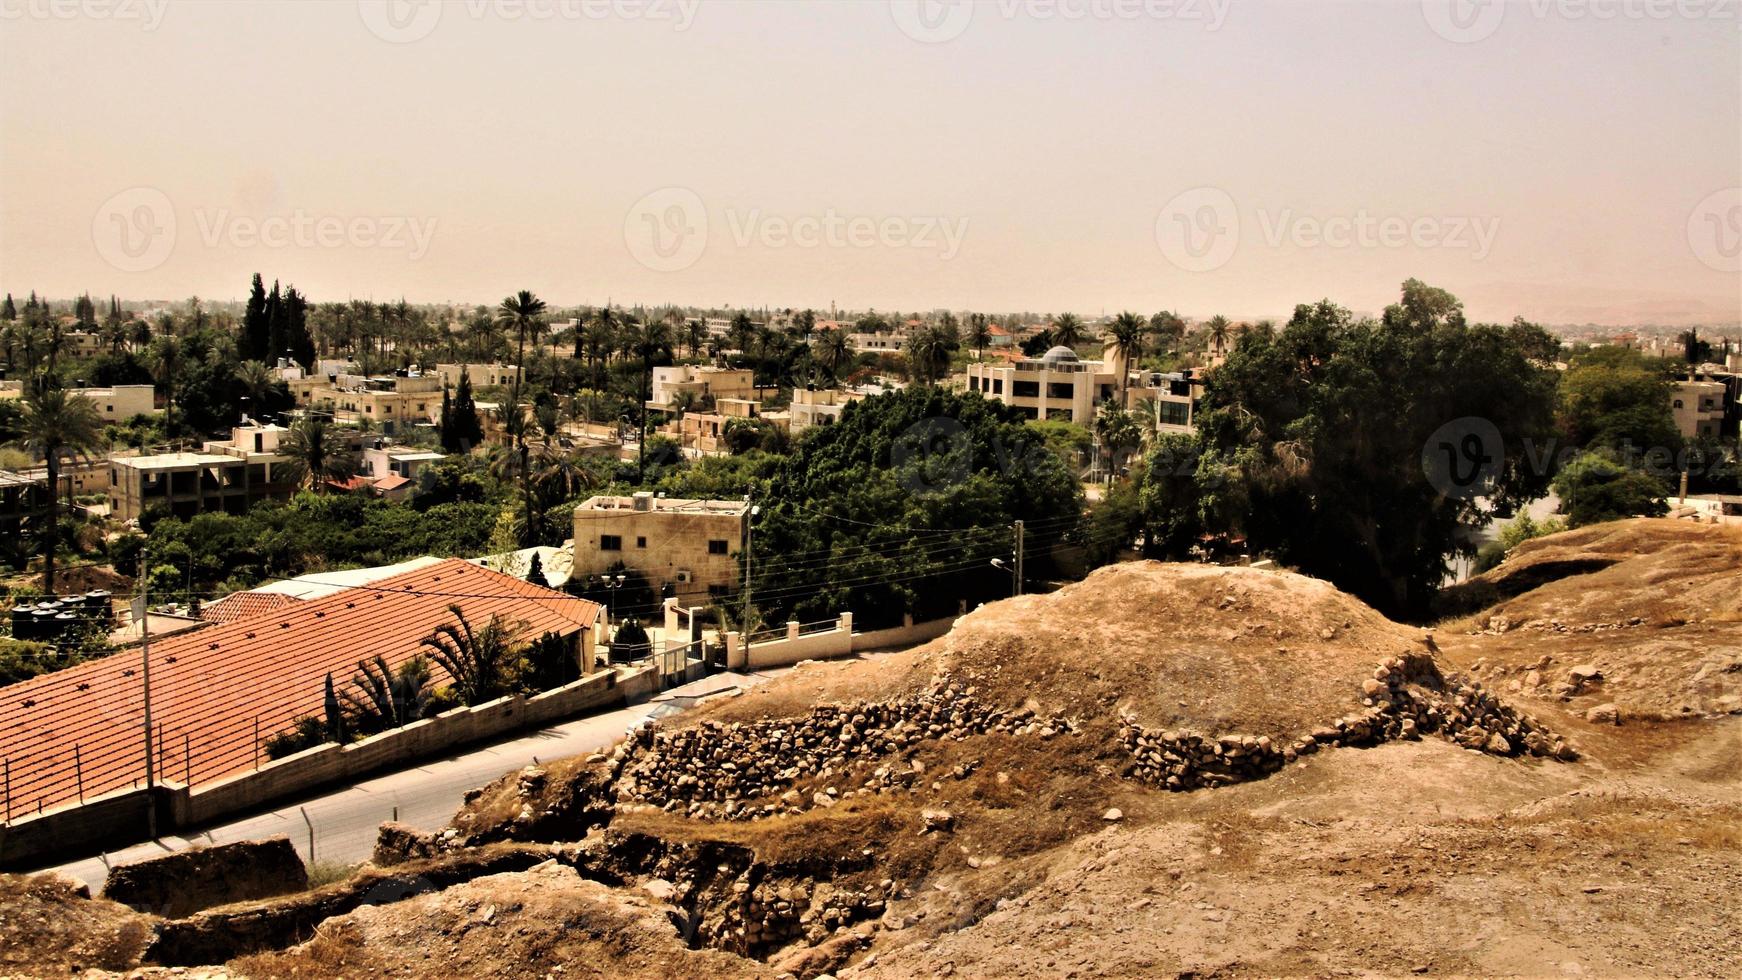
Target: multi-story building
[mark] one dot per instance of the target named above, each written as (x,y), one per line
(698,381)
(690,545)
(877,343)
(228,476)
(1060,385)
(390,402)
(705,432)
(116,403)
(1698,407)
(813,406)
(382,459)
(1056,385)
(480,375)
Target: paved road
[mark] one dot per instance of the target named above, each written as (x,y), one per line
(425,796)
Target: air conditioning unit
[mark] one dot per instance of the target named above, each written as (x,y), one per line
(684,577)
(643,501)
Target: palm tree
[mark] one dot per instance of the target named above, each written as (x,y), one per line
(481,662)
(1126,335)
(831,350)
(646,339)
(57,421)
(524,312)
(165,367)
(979,334)
(742,333)
(695,334)
(315,457)
(1067,330)
(928,354)
(1118,432)
(257,383)
(1219,333)
(388,699)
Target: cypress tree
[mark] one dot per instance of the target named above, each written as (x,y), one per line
(535,572)
(8,312)
(277,325)
(254,328)
(297,338)
(446,425)
(468,431)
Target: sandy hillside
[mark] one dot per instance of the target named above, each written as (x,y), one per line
(1163,770)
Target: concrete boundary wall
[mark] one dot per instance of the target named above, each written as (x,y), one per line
(838,642)
(120,817)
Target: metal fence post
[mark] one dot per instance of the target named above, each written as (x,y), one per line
(79,771)
(311,835)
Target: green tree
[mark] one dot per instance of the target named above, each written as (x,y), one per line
(385,698)
(1322,446)
(1617,398)
(316,456)
(255,344)
(1125,334)
(901,504)
(649,338)
(1597,487)
(1119,433)
(928,354)
(57,423)
(480,662)
(523,313)
(979,333)
(1067,330)
(832,351)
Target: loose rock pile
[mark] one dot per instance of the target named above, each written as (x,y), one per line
(773,914)
(1406,697)
(732,771)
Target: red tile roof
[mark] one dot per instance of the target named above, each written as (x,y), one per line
(211,686)
(241,605)
(392,481)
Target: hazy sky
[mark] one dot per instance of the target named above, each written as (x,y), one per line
(1565,161)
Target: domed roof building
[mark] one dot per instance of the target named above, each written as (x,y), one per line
(1059,355)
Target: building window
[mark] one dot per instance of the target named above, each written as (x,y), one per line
(997,386)
(1025,389)
(640,542)
(1678,403)
(719,591)
(1061,389)
(717,546)
(610,542)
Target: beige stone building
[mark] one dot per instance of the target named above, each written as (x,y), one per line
(690,545)
(481,375)
(812,407)
(114,404)
(705,432)
(228,476)
(698,381)
(1698,407)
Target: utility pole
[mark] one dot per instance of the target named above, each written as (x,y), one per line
(145,660)
(1018,557)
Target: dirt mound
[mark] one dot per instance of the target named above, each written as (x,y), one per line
(545,921)
(1641,619)
(184,882)
(49,924)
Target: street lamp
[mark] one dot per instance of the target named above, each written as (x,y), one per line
(612,584)
(1001,563)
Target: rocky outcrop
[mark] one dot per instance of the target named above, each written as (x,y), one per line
(1407,697)
(199,878)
